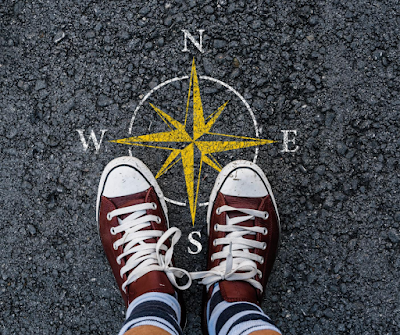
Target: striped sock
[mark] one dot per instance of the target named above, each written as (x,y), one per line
(235,318)
(155,309)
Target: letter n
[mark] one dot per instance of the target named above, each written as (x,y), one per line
(198,45)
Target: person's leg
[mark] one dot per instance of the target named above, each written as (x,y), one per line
(155,309)
(149,330)
(243,226)
(264,332)
(241,317)
(133,226)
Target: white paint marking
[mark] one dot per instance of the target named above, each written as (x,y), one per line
(183,204)
(195,242)
(198,45)
(286,141)
(93,137)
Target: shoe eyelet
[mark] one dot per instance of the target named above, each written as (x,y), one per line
(215,243)
(266,215)
(112,231)
(158,220)
(115,246)
(264,246)
(265,232)
(216,227)
(261,260)
(109,217)
(154,205)
(218,211)
(212,258)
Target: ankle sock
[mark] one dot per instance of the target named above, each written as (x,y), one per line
(235,318)
(155,309)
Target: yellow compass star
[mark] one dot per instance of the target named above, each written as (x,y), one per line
(178,134)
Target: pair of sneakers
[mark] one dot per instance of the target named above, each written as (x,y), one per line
(242,222)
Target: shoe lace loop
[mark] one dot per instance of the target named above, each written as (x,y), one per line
(238,262)
(146,256)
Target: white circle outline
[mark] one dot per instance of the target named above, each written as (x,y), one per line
(230,88)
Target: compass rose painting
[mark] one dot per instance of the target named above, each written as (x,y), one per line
(191,130)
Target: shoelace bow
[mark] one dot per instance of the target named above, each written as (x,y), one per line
(145,257)
(239,263)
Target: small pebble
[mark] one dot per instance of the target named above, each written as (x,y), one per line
(40,84)
(209,9)
(313,20)
(393,236)
(341,148)
(31,229)
(103,101)
(59,36)
(219,44)
(320,170)
(310,38)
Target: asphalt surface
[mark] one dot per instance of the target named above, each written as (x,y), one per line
(327,69)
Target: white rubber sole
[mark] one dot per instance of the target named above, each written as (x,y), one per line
(138,165)
(225,172)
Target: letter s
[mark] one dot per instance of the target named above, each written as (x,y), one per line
(194,242)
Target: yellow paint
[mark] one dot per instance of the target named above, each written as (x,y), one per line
(188,169)
(209,147)
(179,134)
(211,161)
(168,163)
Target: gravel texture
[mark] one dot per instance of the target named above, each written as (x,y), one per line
(328,69)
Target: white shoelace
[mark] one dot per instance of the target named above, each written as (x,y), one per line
(145,257)
(239,263)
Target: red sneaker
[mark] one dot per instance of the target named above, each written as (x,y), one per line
(244,229)
(133,226)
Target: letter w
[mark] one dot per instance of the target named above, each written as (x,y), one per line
(92,136)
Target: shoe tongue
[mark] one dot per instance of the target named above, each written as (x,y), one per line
(129,200)
(234,291)
(154,281)
(243,202)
